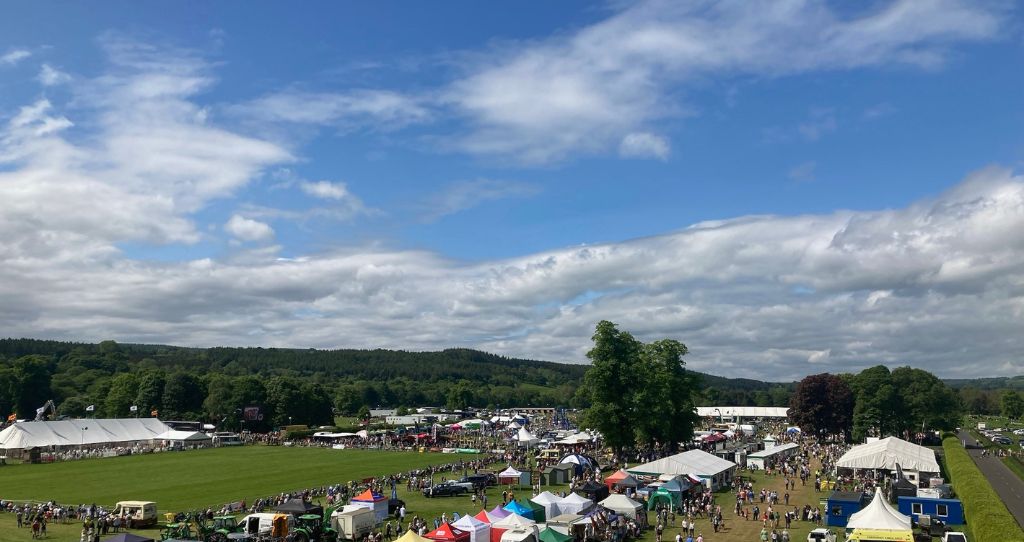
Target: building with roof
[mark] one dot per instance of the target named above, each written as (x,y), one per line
(772,456)
(714,471)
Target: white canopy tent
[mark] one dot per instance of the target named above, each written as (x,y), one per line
(550,502)
(80,432)
(879,515)
(574,503)
(715,470)
(478,530)
(526,438)
(514,521)
(886,453)
(621,504)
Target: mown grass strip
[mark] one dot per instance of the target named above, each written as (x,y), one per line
(985,512)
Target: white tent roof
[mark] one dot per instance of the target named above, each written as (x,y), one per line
(478,530)
(886,453)
(621,504)
(697,462)
(879,515)
(774,450)
(471,524)
(513,521)
(550,502)
(526,436)
(547,497)
(188,436)
(80,432)
(574,503)
(510,472)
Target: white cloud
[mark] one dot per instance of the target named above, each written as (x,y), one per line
(326,190)
(14,56)
(248,230)
(879,110)
(366,108)
(464,195)
(50,76)
(644,145)
(584,91)
(143,149)
(938,284)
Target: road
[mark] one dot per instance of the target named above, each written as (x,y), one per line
(1008,485)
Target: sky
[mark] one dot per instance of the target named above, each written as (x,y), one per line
(788,187)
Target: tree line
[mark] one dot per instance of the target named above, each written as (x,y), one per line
(875,402)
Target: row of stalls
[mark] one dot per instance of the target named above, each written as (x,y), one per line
(544,518)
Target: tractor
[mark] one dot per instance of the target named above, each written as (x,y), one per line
(176,531)
(312,528)
(218,530)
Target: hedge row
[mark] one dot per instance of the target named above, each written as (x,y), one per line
(985,512)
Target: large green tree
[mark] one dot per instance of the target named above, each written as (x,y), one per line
(33,384)
(610,384)
(638,393)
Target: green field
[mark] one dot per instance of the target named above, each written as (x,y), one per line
(186,480)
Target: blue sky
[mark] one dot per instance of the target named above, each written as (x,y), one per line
(503,176)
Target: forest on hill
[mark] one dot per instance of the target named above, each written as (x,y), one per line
(307,386)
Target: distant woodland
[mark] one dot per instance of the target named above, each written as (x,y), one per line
(298,386)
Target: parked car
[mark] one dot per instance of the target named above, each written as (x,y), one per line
(821,535)
(478,481)
(954,536)
(444,490)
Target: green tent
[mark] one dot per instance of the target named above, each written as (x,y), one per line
(551,535)
(538,511)
(664,496)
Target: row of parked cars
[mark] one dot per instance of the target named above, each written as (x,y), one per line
(465,485)
(997,437)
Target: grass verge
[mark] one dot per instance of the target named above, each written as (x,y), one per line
(985,512)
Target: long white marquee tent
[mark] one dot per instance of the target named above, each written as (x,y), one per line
(713,469)
(743,411)
(887,453)
(80,432)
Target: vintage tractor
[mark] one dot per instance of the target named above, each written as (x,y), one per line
(313,528)
(176,531)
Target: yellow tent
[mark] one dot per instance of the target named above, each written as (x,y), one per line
(878,535)
(410,536)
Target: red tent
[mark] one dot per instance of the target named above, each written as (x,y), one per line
(715,437)
(611,480)
(447,533)
(483,516)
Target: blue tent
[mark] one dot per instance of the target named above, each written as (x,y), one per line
(517,508)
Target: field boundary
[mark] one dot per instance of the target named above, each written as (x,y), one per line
(986,514)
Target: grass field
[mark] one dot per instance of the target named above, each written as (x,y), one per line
(185,480)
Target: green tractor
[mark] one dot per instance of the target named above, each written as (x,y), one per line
(218,530)
(176,531)
(313,528)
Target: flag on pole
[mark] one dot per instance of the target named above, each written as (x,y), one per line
(41,409)
(153,413)
(12,418)
(90,408)
(134,408)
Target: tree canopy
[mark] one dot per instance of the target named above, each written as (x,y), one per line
(638,393)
